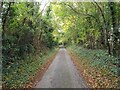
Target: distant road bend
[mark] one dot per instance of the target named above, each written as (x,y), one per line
(61,73)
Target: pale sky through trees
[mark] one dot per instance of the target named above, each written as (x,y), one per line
(44,4)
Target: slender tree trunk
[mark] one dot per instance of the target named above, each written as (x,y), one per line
(115,30)
(105,31)
(1,4)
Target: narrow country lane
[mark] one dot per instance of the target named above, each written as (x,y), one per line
(61,73)
(31,31)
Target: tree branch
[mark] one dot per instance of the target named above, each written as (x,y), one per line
(79,12)
(101,13)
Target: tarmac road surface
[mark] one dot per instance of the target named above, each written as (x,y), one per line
(62,73)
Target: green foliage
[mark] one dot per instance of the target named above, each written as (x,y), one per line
(98,58)
(88,23)
(19,74)
(24,30)
(26,37)
(99,68)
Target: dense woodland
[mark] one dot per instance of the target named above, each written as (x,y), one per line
(25,31)
(93,25)
(29,31)
(26,34)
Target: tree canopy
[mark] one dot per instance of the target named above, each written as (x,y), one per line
(90,24)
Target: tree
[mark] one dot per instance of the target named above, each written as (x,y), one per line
(88,24)
(25,31)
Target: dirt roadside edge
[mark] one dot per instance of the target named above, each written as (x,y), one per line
(39,74)
(74,59)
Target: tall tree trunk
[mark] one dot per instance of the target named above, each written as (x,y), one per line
(115,29)
(1,4)
(105,31)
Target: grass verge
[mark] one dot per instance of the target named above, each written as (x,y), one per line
(96,66)
(20,74)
